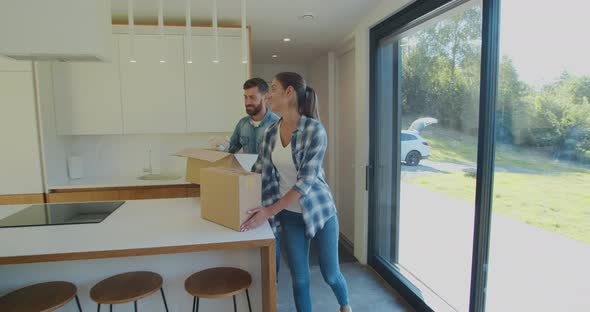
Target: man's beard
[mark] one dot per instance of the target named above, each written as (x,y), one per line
(255,110)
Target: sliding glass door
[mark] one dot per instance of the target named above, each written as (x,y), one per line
(426,126)
(480,144)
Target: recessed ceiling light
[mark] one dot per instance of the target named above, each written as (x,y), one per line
(216,61)
(275,56)
(308,17)
(287,39)
(132,61)
(162,61)
(189,62)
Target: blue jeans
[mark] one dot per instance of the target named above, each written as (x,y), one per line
(297,254)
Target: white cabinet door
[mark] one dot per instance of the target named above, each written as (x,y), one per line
(152,92)
(214,91)
(87,97)
(20,162)
(8,64)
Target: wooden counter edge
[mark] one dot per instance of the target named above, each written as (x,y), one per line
(86,255)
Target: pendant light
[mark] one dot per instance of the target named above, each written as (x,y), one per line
(244,35)
(131,32)
(189,37)
(215,32)
(161,30)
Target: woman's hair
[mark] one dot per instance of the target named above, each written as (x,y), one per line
(306,97)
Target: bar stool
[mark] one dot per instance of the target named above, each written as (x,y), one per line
(127,287)
(218,283)
(42,297)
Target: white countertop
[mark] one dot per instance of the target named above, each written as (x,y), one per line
(121,181)
(136,224)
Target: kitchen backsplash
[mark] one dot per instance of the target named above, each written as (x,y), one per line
(127,155)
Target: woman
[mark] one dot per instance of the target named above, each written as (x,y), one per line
(294,191)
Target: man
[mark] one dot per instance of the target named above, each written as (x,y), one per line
(249,130)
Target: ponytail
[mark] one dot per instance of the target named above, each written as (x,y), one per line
(306,97)
(310,107)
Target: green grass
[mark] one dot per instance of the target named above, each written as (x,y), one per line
(456,147)
(558,203)
(554,195)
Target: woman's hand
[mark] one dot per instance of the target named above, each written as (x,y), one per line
(257,217)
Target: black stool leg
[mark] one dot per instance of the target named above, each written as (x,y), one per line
(111,308)
(248,296)
(194,304)
(164,298)
(78,303)
(98,309)
(135,305)
(198,304)
(235,307)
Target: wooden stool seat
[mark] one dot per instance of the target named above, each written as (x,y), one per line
(39,297)
(126,287)
(218,282)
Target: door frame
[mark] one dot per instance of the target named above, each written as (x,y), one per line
(405,283)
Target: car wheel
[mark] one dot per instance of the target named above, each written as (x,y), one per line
(413,158)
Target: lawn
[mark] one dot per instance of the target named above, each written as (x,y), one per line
(457,147)
(528,185)
(558,203)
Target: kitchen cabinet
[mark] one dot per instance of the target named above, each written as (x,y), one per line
(148,96)
(214,92)
(20,162)
(153,99)
(87,97)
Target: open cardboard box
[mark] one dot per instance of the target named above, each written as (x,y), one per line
(199,158)
(227,194)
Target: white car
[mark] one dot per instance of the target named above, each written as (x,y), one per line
(414,147)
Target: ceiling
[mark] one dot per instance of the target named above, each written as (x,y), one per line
(271,21)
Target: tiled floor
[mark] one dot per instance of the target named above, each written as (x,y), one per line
(367,291)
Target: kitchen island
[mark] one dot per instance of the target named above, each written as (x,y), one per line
(166,236)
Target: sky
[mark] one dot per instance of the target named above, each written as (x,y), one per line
(544,37)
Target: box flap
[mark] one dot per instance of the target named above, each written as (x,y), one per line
(229,171)
(246,160)
(203,154)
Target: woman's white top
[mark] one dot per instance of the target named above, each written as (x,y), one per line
(282,159)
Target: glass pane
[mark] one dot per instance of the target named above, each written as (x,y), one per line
(383,179)
(540,232)
(427,232)
(440,107)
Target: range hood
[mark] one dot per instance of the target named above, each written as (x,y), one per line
(63,30)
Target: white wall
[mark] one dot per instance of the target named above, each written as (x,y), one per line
(345,151)
(267,71)
(319,79)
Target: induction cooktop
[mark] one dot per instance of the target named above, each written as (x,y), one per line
(59,214)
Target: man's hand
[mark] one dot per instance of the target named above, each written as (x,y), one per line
(257,216)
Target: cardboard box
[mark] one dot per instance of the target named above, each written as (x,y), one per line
(227,194)
(198,158)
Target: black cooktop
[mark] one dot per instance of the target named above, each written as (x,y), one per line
(59,214)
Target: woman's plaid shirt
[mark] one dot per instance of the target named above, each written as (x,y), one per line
(308,146)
